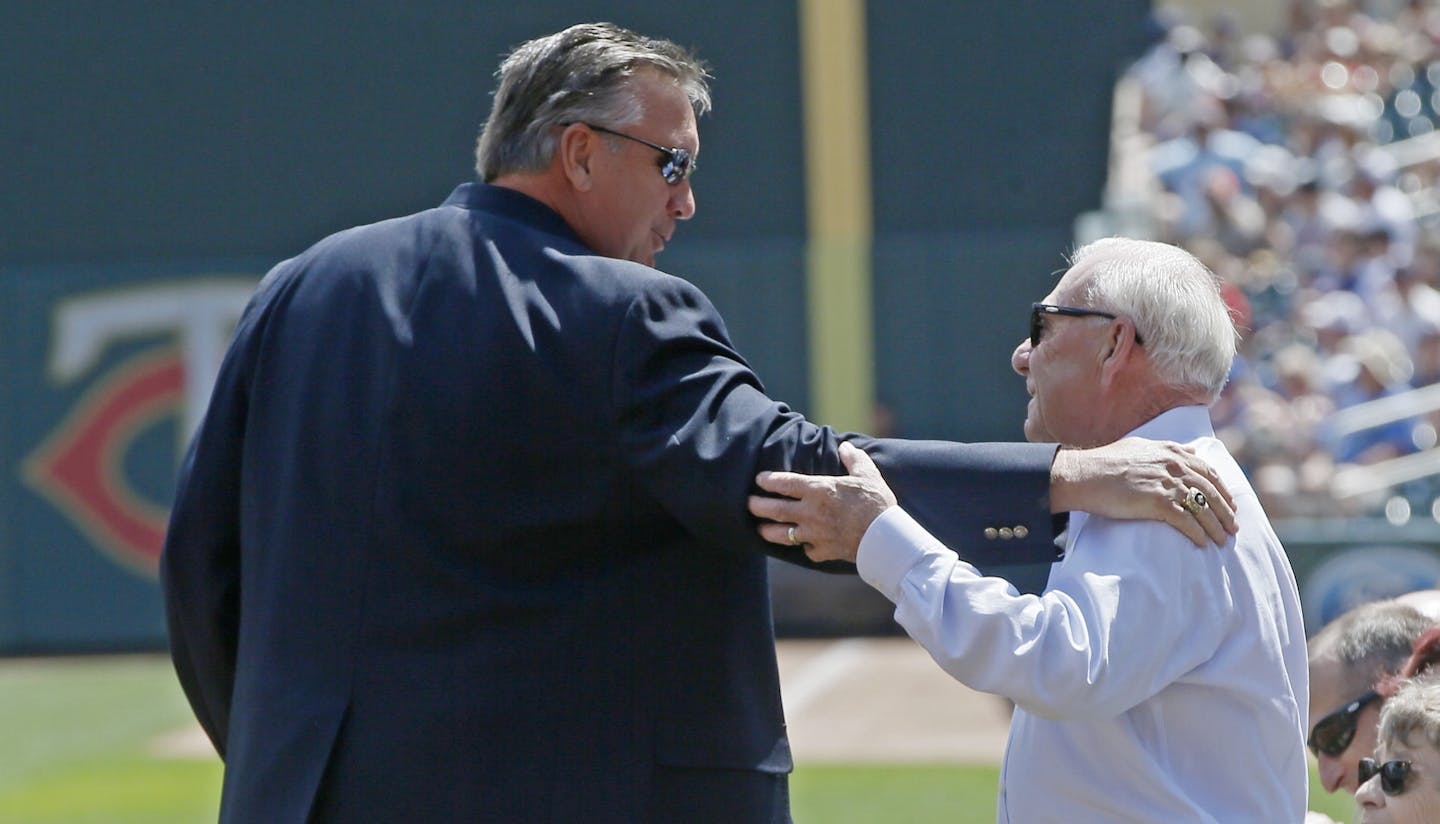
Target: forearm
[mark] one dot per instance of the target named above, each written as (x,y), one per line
(1141,479)
(979,630)
(1066,653)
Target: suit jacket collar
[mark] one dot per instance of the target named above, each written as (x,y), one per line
(510,203)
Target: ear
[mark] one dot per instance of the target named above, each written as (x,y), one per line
(575,152)
(1118,351)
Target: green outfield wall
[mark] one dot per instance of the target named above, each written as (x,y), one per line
(158,157)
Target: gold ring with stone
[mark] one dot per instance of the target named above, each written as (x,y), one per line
(791,536)
(1195,501)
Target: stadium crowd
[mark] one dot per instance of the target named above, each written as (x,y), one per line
(1300,166)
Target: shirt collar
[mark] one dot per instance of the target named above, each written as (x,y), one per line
(1182,424)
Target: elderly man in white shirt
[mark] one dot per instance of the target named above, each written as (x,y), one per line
(1152,681)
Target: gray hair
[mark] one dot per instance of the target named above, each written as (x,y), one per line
(1414,709)
(1371,641)
(1174,301)
(577,75)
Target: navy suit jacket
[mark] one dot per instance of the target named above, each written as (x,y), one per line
(463,534)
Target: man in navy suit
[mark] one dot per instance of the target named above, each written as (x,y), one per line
(463,535)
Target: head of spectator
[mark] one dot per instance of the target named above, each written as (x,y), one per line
(1381,359)
(1348,658)
(1307,195)
(1373,169)
(1427,355)
(1400,783)
(1297,371)
(1375,241)
(1333,317)
(1271,171)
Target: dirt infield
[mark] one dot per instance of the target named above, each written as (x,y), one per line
(882,700)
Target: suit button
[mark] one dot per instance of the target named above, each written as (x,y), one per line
(1022,531)
(991,533)
(1007,533)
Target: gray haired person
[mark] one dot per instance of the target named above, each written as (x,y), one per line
(1139,652)
(1348,657)
(1400,783)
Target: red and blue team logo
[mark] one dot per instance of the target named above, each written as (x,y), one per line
(80,466)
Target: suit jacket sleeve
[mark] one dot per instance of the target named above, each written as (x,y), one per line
(696,424)
(202,590)
(200,562)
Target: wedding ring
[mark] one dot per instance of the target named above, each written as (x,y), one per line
(790,535)
(1194,502)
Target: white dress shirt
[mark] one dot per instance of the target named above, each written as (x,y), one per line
(1153,681)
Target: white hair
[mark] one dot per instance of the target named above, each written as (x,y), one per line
(1174,301)
(1415,708)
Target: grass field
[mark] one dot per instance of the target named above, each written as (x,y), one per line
(82,741)
(79,744)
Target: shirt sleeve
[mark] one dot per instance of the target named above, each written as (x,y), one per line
(1130,609)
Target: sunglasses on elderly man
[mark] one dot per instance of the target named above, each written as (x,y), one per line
(1333,733)
(675,164)
(1038,311)
(1393,774)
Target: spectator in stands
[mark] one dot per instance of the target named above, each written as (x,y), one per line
(1344,210)
(1277,434)
(1381,368)
(1186,166)
(1308,226)
(1344,259)
(1348,658)
(1332,319)
(1384,207)
(1400,783)
(1231,216)
(1409,306)
(1427,356)
(1167,75)
(1402,780)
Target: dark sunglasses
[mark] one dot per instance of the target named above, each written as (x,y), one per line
(1038,311)
(675,166)
(1333,733)
(1393,774)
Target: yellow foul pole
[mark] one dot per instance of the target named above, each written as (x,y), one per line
(837,173)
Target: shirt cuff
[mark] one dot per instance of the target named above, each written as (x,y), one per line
(892,546)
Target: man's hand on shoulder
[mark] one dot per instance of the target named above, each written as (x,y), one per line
(1139,479)
(826,514)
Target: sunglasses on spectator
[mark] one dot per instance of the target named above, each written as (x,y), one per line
(1393,774)
(1333,733)
(1038,311)
(675,164)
